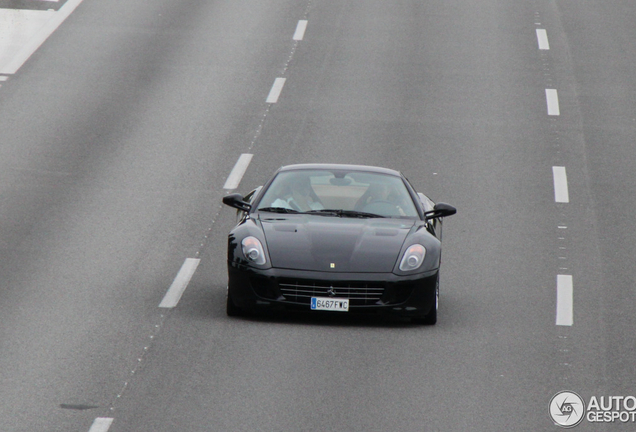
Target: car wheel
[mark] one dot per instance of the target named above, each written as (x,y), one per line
(230,308)
(431,317)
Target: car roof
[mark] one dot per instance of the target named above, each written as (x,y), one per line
(324,166)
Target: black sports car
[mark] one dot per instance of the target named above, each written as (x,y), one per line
(342,238)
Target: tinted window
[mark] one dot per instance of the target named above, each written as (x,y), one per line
(306,190)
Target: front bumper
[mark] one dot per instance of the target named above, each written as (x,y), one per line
(280,289)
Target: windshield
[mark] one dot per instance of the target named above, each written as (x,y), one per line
(354,191)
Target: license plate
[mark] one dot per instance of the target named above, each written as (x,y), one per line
(330,304)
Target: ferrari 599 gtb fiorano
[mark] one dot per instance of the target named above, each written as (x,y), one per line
(336,238)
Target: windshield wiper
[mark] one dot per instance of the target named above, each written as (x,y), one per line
(344,213)
(278,210)
(359,214)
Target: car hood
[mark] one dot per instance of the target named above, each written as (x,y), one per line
(334,244)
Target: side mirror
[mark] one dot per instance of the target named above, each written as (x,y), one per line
(440,210)
(236,200)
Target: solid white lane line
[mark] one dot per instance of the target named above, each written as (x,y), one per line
(300,30)
(3,78)
(101,424)
(234,179)
(552,99)
(180,283)
(274,93)
(542,39)
(565,302)
(560,185)
(37,39)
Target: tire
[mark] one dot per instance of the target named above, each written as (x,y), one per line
(231,309)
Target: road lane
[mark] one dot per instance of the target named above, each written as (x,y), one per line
(600,37)
(114,134)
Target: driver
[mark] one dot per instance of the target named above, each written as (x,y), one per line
(380,193)
(375,192)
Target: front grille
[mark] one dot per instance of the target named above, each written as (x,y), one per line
(358,293)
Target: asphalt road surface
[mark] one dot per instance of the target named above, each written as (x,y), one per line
(121,121)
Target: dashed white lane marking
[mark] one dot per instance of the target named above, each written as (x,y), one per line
(552,99)
(565,303)
(234,179)
(542,39)
(274,93)
(561,194)
(180,283)
(101,424)
(300,30)
(19,39)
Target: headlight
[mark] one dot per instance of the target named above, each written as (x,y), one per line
(413,257)
(253,250)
